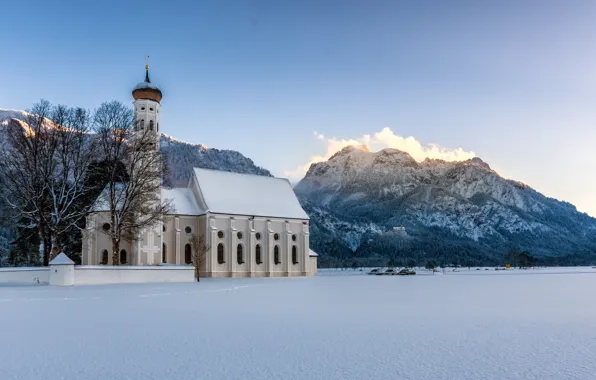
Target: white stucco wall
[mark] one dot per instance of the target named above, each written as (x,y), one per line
(95,241)
(89,275)
(25,275)
(175,236)
(268,228)
(313,265)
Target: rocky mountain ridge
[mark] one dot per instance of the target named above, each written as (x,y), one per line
(465,204)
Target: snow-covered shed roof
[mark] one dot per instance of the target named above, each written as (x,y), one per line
(312,253)
(183,201)
(61,259)
(248,194)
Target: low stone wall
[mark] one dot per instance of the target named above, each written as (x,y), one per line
(90,275)
(25,275)
(95,275)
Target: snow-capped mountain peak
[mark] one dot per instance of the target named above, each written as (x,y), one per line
(465,201)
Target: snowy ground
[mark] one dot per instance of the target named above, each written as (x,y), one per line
(538,324)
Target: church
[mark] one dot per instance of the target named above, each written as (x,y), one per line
(253,226)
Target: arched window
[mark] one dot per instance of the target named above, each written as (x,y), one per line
(104,257)
(220,253)
(164,253)
(239,254)
(294,255)
(142,123)
(123,258)
(150,125)
(187,254)
(157,127)
(276,254)
(258,258)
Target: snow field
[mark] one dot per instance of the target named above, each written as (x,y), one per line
(522,326)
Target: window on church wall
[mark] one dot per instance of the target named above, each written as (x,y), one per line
(239,254)
(275,236)
(294,255)
(142,124)
(294,237)
(258,236)
(150,125)
(258,258)
(239,235)
(276,255)
(164,253)
(220,254)
(104,257)
(157,127)
(220,234)
(123,257)
(188,229)
(187,254)
(106,226)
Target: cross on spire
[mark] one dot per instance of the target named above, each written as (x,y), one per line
(147,69)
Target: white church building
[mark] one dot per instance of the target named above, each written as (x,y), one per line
(253,225)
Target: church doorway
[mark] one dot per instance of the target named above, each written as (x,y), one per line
(123,257)
(164,253)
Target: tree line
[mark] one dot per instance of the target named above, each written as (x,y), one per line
(62,163)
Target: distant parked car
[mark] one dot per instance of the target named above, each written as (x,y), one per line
(386,272)
(406,272)
(374,271)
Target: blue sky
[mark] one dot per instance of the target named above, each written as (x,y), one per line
(512,81)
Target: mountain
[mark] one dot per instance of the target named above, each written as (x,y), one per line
(449,211)
(374,206)
(182,156)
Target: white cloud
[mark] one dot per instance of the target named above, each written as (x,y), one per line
(381,140)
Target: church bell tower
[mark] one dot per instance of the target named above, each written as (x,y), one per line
(147,97)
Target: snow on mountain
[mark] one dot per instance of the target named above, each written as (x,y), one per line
(456,203)
(182,156)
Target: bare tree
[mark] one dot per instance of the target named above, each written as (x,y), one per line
(43,169)
(133,201)
(199,252)
(73,151)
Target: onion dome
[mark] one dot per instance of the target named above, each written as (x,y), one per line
(147,90)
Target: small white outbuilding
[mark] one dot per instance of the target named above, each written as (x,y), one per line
(62,271)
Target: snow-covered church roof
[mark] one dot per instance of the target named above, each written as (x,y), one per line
(248,194)
(183,201)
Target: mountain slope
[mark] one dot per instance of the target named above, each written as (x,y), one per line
(182,156)
(448,209)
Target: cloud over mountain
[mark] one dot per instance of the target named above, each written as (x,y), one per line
(385,138)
